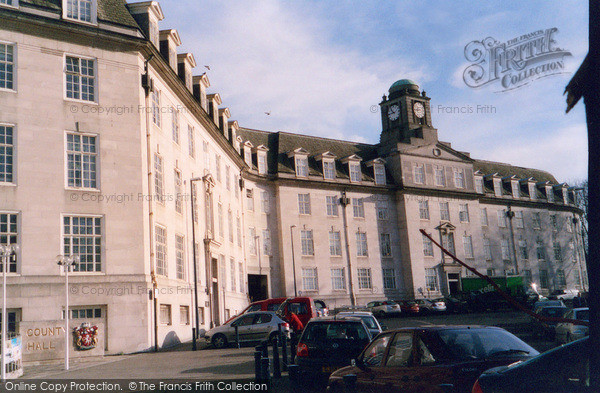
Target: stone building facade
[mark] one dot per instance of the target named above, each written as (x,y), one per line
(113,149)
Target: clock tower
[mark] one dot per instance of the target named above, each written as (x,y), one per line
(405,113)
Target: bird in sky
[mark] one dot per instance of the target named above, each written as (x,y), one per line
(207,67)
(268,113)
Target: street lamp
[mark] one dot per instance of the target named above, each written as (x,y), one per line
(6,251)
(66,262)
(195,329)
(293,260)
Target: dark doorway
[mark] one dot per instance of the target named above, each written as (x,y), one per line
(453,283)
(257,287)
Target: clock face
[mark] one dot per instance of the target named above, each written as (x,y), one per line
(419,110)
(394,112)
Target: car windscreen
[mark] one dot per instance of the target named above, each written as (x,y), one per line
(482,343)
(321,332)
(369,321)
(583,315)
(556,312)
(273,307)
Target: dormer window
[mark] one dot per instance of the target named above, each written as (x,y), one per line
(262,162)
(329,169)
(479,184)
(301,166)
(550,194)
(459,178)
(498,187)
(419,172)
(248,154)
(532,191)
(516,192)
(565,196)
(80,10)
(379,171)
(10,3)
(355,173)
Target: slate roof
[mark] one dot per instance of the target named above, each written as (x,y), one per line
(111,11)
(503,170)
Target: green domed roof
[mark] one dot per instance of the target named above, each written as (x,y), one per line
(403,84)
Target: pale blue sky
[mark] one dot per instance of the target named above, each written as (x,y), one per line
(319,66)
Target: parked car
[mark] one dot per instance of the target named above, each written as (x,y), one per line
(430,359)
(322,310)
(455,305)
(547,329)
(408,307)
(384,308)
(547,303)
(368,319)
(304,308)
(564,369)
(563,294)
(261,305)
(427,306)
(329,343)
(567,332)
(252,326)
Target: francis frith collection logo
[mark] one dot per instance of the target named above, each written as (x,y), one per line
(516,62)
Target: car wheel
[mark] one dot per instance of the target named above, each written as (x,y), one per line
(219,341)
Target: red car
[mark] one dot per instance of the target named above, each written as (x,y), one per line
(409,307)
(262,305)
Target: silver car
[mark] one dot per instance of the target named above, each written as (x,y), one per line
(567,332)
(252,326)
(368,319)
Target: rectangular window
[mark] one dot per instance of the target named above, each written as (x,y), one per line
(262,163)
(248,156)
(12,3)
(497,187)
(80,79)
(389,279)
(81,313)
(358,207)
(206,154)
(335,243)
(264,196)
(250,199)
(491,272)
(302,166)
(195,211)
(516,191)
(532,191)
(338,279)
(502,218)
(220,220)
(7,153)
(355,172)
(463,212)
(431,279)
(7,66)
(178,191)
(83,236)
(569,223)
(419,173)
(540,251)
(80,10)
(160,234)
(184,315)
(537,221)
(385,244)
(227,178)
(468,246)
(175,124)
(328,169)
(81,161)
(440,176)
(519,223)
(448,242)
(543,278)
(557,251)
(241,274)
(232,275)
(427,246)
(266,242)
(459,178)
(424,210)
(379,174)
(308,248)
(479,184)
(165,314)
(236,186)
(382,210)
(158,176)
(192,143)
(487,249)
(484,217)
(332,207)
(523,251)
(239,231)
(561,280)
(505,246)
(180,256)
(218,167)
(304,203)
(230,225)
(9,235)
(364,278)
(309,279)
(444,211)
(550,194)
(554,222)
(252,241)
(361,244)
(528,277)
